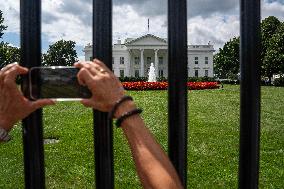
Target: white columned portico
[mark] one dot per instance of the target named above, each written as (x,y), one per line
(142,62)
(156,62)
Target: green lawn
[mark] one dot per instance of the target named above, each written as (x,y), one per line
(212,149)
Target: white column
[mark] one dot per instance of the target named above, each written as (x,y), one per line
(156,62)
(129,64)
(142,63)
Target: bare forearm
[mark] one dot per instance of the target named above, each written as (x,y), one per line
(153,166)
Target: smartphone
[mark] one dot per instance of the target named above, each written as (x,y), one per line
(56,82)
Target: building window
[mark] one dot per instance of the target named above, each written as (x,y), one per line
(136,73)
(196,60)
(206,73)
(112,60)
(91,58)
(148,60)
(161,59)
(206,60)
(121,60)
(161,73)
(121,73)
(196,73)
(136,60)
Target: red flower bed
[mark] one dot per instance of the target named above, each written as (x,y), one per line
(202,85)
(142,85)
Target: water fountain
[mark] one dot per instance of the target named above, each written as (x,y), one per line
(152,74)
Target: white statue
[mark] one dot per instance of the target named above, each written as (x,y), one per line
(152,74)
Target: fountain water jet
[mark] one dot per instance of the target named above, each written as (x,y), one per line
(152,74)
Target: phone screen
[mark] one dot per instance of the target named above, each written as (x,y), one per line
(56,83)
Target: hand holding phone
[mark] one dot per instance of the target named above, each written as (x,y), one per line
(105,86)
(56,82)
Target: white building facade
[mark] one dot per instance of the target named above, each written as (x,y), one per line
(134,57)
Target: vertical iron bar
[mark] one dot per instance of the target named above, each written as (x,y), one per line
(177,58)
(103,132)
(30,15)
(250,94)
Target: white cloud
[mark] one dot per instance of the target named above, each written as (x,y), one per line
(64,25)
(217,29)
(273,9)
(128,23)
(11,15)
(68,27)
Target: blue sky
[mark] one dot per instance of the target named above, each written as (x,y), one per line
(208,20)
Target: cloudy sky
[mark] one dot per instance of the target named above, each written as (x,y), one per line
(208,20)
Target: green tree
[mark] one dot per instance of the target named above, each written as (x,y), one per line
(8,54)
(2,27)
(269,27)
(273,62)
(226,61)
(61,53)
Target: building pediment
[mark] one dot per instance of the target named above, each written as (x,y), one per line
(148,39)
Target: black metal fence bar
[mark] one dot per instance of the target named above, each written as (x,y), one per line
(177,53)
(30,13)
(103,132)
(250,94)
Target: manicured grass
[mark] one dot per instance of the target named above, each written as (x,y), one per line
(213,142)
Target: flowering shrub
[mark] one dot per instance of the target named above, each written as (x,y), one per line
(142,85)
(202,85)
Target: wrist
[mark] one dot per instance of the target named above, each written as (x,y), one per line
(124,107)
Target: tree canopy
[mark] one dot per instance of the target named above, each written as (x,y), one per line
(61,53)
(8,54)
(273,62)
(268,28)
(2,26)
(226,62)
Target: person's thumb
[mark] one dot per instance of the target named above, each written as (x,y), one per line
(88,103)
(41,103)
